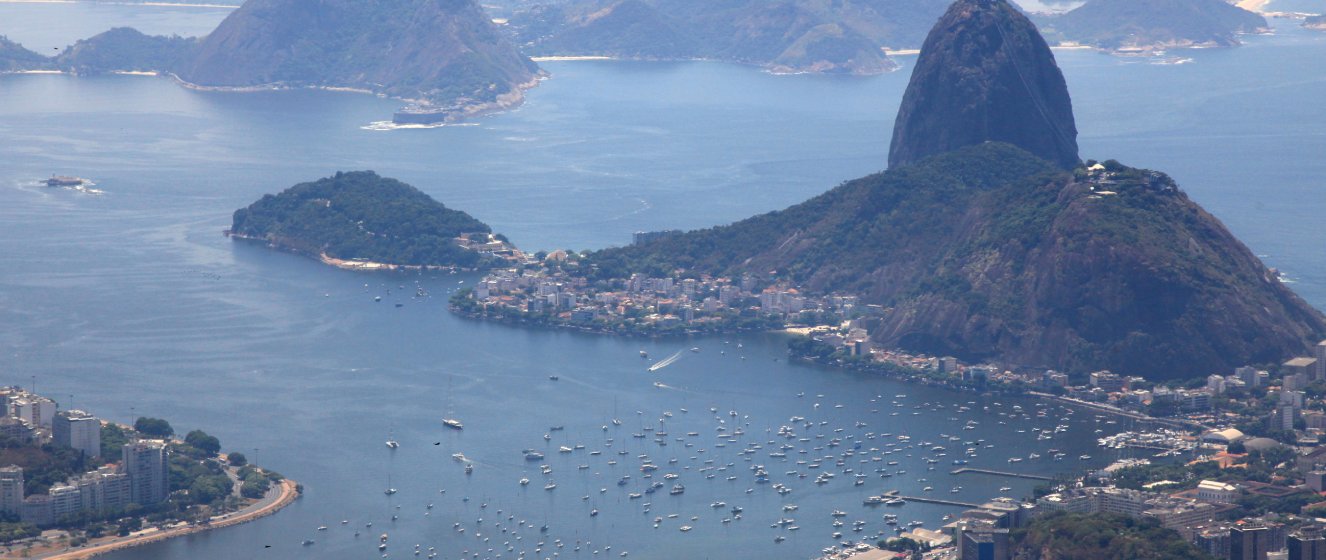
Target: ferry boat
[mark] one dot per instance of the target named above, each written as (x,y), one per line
(65,181)
(453,423)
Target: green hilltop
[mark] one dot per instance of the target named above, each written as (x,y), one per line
(838,36)
(990,253)
(1119,24)
(359,215)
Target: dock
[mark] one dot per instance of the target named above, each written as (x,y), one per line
(1000,473)
(942,502)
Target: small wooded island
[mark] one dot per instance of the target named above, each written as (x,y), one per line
(360,220)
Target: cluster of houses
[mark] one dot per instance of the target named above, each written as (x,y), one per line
(647,303)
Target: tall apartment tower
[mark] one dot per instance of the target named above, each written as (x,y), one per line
(1248,543)
(1319,352)
(1307,544)
(78,430)
(984,544)
(11,489)
(146,463)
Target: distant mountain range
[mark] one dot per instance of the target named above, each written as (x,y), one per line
(443,55)
(1156,24)
(986,250)
(845,36)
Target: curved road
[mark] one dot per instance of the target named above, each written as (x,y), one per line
(278,497)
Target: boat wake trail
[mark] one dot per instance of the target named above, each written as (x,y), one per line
(665,362)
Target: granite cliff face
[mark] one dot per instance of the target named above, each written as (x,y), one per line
(1014,254)
(985,74)
(438,51)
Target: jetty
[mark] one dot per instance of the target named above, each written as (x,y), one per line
(964,470)
(924,500)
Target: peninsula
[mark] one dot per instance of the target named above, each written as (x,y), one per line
(445,58)
(845,36)
(1139,26)
(359,220)
(996,247)
(103,486)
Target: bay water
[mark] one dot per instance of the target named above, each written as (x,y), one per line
(131,302)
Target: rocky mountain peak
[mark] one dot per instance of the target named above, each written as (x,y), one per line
(985,74)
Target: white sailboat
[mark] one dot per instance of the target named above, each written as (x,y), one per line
(450,421)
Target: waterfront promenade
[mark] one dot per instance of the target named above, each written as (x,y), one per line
(280,496)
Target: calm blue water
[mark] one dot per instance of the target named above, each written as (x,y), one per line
(132,303)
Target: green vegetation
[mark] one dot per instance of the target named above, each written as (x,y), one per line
(359,215)
(1114,24)
(207,445)
(1089,537)
(1275,465)
(204,481)
(256,482)
(12,530)
(799,35)
(199,485)
(125,49)
(113,438)
(988,252)
(14,57)
(900,544)
(153,427)
(443,52)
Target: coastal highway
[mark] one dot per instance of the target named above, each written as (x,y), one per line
(280,496)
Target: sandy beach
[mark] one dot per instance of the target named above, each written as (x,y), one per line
(1258,6)
(568,58)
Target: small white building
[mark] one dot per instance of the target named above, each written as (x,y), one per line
(1217,492)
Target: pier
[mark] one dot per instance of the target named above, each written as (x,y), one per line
(1001,473)
(942,502)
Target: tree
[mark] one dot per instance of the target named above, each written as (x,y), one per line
(901,544)
(154,427)
(113,438)
(237,459)
(1237,448)
(199,439)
